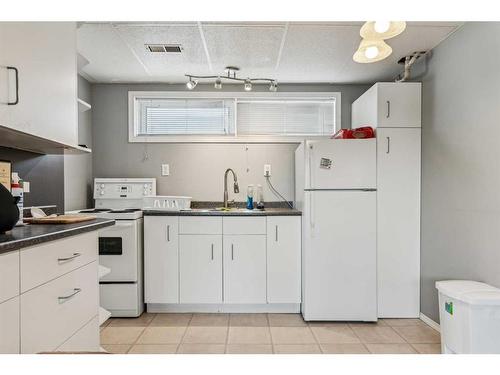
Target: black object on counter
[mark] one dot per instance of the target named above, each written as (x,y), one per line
(9,212)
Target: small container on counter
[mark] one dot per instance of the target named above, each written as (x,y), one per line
(250,192)
(259,198)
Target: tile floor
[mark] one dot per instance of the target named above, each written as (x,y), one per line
(264,334)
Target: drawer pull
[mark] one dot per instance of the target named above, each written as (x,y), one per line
(65,298)
(75,255)
(232,251)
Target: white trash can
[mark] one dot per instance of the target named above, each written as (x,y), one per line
(469,314)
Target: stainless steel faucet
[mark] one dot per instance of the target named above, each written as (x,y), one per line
(235,186)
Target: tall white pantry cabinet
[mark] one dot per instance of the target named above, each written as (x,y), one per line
(394,110)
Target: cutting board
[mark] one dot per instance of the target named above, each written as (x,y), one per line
(61,219)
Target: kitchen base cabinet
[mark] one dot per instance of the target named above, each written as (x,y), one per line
(200,268)
(237,264)
(245,269)
(9,326)
(161,259)
(283,259)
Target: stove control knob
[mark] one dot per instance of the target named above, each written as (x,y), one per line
(102,186)
(102,192)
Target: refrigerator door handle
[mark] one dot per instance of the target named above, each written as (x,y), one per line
(311,213)
(310,166)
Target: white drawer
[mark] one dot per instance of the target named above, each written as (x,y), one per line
(9,275)
(200,225)
(48,319)
(9,326)
(244,225)
(50,260)
(85,340)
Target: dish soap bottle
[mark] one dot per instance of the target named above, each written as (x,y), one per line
(250,197)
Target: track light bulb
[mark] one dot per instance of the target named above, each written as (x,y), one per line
(218,83)
(191,84)
(248,85)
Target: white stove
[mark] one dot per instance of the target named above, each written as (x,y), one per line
(121,246)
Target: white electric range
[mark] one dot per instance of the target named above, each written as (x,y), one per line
(121,246)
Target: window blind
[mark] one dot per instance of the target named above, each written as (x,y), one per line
(286,117)
(184,116)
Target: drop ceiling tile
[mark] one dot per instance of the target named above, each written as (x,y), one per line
(252,47)
(109,57)
(167,66)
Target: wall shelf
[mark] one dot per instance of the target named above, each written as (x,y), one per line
(83,105)
(19,140)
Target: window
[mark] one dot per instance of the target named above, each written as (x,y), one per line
(231,117)
(183,117)
(286,117)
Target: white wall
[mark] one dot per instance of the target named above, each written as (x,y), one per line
(197,170)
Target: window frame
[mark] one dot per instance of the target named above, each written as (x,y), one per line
(133,115)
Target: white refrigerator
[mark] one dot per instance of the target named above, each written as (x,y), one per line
(336,192)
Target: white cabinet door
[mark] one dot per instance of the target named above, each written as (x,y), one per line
(283,259)
(9,326)
(399,104)
(245,269)
(161,259)
(398,221)
(45,55)
(9,275)
(200,268)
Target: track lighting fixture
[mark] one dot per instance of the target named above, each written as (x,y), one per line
(191,84)
(230,75)
(218,83)
(248,85)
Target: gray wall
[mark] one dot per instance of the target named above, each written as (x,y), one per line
(461,153)
(78,168)
(45,173)
(196,169)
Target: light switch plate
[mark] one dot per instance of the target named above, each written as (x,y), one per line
(165,170)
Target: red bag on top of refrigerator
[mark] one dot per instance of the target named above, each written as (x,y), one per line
(358,133)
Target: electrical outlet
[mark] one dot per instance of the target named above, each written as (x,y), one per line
(267,170)
(165,170)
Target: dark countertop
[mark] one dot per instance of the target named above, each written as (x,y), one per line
(233,212)
(35,234)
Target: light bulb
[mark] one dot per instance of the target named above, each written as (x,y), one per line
(371,52)
(382,26)
(248,85)
(191,84)
(218,83)
(273,87)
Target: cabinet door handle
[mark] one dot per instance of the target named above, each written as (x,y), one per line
(232,251)
(16,72)
(388,114)
(75,255)
(388,145)
(65,298)
(212,251)
(168,233)
(276,233)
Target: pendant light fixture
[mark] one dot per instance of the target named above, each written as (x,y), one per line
(373,48)
(230,75)
(382,29)
(370,51)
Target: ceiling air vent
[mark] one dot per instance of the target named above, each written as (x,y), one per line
(164,48)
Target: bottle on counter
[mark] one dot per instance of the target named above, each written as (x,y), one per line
(250,192)
(17,191)
(259,198)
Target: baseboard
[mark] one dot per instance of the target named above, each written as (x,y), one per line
(223,308)
(431,323)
